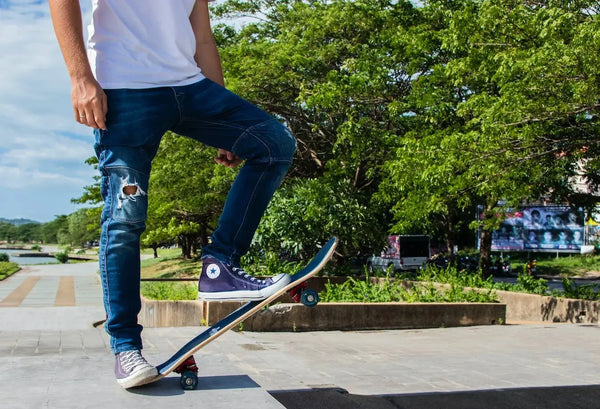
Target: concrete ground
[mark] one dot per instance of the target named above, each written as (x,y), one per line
(51,356)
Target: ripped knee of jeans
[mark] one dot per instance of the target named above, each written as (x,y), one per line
(125,194)
(129,191)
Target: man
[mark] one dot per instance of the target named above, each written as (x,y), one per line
(151,66)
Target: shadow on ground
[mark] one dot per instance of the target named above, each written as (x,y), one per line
(170,386)
(572,397)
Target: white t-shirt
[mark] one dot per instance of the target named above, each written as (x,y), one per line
(142,43)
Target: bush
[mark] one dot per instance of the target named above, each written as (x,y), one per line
(452,275)
(36,247)
(62,257)
(4,257)
(532,285)
(388,290)
(526,283)
(581,292)
(7,269)
(269,264)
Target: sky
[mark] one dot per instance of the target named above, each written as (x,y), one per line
(42,148)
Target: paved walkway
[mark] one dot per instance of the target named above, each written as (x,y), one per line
(53,357)
(52,285)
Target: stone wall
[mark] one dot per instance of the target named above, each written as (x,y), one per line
(535,308)
(325,316)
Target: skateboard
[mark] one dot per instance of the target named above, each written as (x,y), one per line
(183,363)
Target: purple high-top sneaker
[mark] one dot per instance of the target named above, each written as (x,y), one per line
(219,281)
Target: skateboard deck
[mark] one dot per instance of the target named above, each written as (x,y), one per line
(183,361)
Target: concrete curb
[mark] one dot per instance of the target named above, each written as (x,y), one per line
(287,316)
(537,308)
(325,316)
(156,314)
(359,316)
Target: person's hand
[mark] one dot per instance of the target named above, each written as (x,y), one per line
(89,103)
(227,158)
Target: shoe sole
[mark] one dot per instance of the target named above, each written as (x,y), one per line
(138,379)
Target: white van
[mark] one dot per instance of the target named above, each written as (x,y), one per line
(404,253)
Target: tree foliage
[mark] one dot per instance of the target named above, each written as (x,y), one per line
(26,232)
(504,110)
(186,194)
(333,72)
(407,119)
(305,212)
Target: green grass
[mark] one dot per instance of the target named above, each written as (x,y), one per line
(572,265)
(548,264)
(169,264)
(169,290)
(7,269)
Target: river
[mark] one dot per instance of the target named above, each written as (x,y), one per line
(14,257)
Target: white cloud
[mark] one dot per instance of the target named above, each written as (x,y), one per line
(19,179)
(42,148)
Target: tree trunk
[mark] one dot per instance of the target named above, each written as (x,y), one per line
(450,236)
(449,223)
(205,232)
(186,248)
(485,252)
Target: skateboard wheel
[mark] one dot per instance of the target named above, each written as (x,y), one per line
(309,297)
(188,380)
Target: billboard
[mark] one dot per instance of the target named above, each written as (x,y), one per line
(541,228)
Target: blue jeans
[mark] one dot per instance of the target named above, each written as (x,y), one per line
(136,122)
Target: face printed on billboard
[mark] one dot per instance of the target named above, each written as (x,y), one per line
(541,228)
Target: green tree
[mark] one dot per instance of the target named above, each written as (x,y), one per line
(82,227)
(56,231)
(504,111)
(186,193)
(335,73)
(29,232)
(157,232)
(8,232)
(91,196)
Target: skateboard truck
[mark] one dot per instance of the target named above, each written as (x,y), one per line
(189,373)
(307,296)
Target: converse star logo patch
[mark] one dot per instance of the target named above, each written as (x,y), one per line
(213,271)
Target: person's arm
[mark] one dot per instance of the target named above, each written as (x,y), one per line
(208,59)
(87,97)
(207,55)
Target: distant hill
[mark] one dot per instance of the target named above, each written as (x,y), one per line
(18,222)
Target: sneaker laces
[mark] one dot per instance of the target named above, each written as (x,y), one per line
(132,359)
(245,275)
